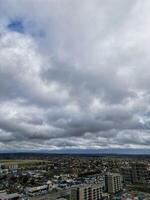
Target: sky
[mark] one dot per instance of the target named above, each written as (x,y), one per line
(74,74)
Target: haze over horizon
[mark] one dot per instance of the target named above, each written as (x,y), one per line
(74,75)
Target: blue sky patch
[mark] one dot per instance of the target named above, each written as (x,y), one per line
(16,25)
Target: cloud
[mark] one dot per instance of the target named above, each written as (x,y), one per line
(74,74)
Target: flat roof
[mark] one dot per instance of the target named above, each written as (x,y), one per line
(9,196)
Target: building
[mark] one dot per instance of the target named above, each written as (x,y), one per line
(113,182)
(5,196)
(140,173)
(33,191)
(136,173)
(87,192)
(127,175)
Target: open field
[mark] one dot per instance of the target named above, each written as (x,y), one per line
(22,163)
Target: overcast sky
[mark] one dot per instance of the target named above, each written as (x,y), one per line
(74,74)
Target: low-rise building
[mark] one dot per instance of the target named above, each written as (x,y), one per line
(5,196)
(33,191)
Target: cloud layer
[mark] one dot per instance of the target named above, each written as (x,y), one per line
(74,74)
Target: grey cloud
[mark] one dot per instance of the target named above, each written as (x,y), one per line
(78,76)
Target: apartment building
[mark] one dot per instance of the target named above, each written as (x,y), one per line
(136,173)
(127,174)
(87,192)
(140,173)
(113,182)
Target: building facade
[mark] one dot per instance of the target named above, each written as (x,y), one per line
(113,182)
(87,192)
(136,173)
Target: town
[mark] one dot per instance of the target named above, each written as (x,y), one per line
(74,177)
